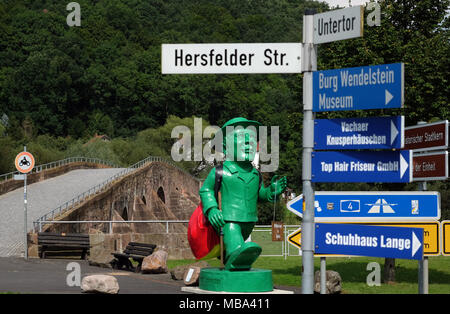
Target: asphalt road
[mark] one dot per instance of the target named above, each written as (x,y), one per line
(50,276)
(42,197)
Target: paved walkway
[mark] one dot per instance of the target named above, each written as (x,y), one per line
(18,275)
(42,197)
(49,276)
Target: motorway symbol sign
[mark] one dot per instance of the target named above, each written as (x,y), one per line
(294,238)
(362,166)
(429,136)
(360,88)
(364,240)
(431,235)
(445,231)
(231,58)
(24,162)
(359,133)
(338,24)
(430,166)
(371,206)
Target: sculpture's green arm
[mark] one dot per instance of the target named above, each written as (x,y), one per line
(207,193)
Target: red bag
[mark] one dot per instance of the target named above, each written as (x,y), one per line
(203,239)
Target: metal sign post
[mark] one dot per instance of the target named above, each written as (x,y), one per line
(423,263)
(25,243)
(24,163)
(309,65)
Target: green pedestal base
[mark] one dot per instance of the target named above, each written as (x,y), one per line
(253,280)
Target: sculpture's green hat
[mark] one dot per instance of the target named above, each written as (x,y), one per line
(239,121)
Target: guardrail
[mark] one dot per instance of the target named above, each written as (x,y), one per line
(269,247)
(274,248)
(59,163)
(100,187)
(109,222)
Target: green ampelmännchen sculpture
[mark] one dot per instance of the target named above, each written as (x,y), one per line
(241,188)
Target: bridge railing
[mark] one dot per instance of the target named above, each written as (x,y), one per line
(40,224)
(59,163)
(100,187)
(261,234)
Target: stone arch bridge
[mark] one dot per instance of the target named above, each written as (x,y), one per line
(157,191)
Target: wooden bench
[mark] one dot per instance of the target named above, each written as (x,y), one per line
(63,244)
(136,251)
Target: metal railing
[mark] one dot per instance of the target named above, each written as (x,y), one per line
(101,187)
(39,224)
(268,246)
(274,248)
(59,163)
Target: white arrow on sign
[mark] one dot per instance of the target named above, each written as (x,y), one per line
(404,165)
(415,244)
(394,132)
(388,97)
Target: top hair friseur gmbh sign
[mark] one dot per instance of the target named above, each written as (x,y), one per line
(338,24)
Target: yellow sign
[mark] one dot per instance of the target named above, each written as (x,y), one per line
(430,235)
(295,238)
(445,237)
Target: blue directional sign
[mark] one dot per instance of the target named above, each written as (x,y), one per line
(364,240)
(359,133)
(371,206)
(362,166)
(360,88)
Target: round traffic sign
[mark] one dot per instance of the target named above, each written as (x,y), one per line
(24,162)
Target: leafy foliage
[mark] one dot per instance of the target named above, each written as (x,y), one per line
(69,83)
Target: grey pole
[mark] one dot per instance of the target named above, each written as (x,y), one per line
(309,64)
(323,275)
(423,263)
(25,243)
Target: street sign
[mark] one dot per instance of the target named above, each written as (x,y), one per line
(24,162)
(430,166)
(364,240)
(359,133)
(338,24)
(429,136)
(294,238)
(445,231)
(371,206)
(362,166)
(360,88)
(431,236)
(277,231)
(231,58)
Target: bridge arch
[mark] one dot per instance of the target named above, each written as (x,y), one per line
(161,194)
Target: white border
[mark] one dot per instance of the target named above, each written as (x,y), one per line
(371,219)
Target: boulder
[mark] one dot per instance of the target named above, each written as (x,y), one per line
(191,276)
(100,284)
(155,263)
(334,282)
(179,272)
(103,259)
